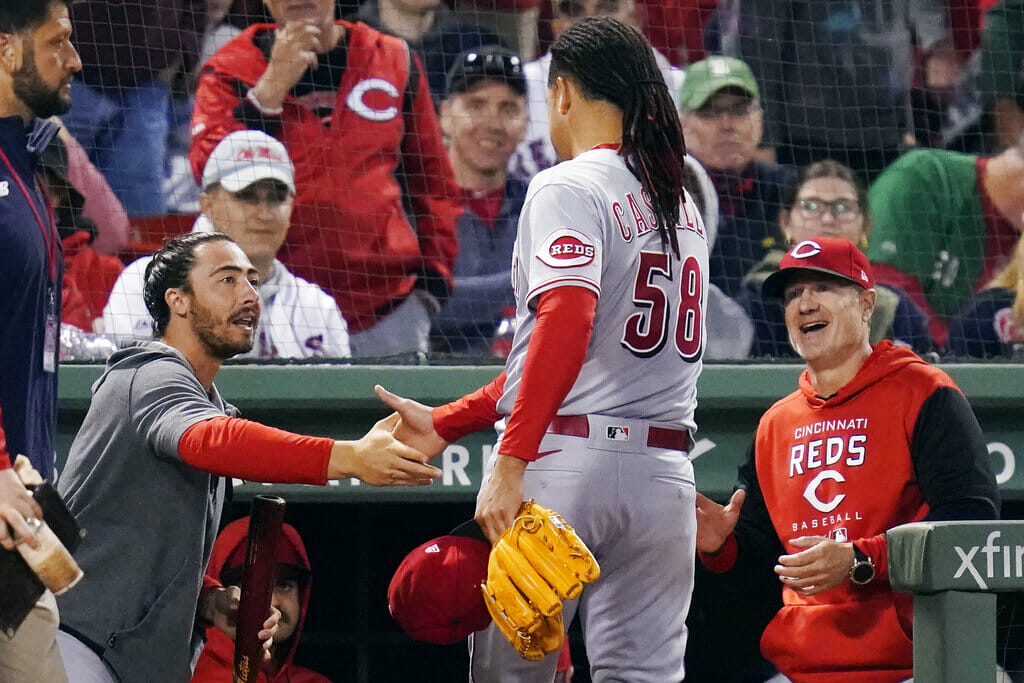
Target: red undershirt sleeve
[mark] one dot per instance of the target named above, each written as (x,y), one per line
(554,357)
(233,447)
(471,413)
(877,548)
(723,560)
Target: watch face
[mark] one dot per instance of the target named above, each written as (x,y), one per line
(862,572)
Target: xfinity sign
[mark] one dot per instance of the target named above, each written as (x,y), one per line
(1007,560)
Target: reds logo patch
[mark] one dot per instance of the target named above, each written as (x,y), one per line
(806,249)
(566,248)
(373,99)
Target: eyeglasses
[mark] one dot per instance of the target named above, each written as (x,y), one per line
(737,110)
(841,209)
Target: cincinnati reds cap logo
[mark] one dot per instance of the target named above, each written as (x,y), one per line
(357,99)
(566,248)
(805,249)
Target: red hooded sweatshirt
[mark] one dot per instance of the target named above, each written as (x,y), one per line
(215,664)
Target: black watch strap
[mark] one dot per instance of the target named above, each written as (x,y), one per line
(863,569)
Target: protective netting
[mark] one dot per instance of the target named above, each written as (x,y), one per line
(393,235)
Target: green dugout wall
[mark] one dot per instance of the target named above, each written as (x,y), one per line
(338,401)
(358,534)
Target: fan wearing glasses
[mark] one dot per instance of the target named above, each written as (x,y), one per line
(483,118)
(720,110)
(826,199)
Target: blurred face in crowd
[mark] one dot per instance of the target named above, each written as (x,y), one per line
(725,131)
(222,303)
(256,217)
(48,62)
(413,6)
(568,12)
(483,125)
(286,599)
(317,12)
(826,316)
(825,207)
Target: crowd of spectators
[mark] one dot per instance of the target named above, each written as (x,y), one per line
(404,214)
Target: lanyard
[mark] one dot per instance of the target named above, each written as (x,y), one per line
(49,238)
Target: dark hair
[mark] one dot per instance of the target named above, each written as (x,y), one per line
(17,16)
(826,168)
(613,62)
(169,269)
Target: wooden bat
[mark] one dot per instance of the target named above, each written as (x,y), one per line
(265,518)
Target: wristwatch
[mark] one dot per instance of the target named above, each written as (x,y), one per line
(863,569)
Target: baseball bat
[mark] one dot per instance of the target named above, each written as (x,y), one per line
(265,518)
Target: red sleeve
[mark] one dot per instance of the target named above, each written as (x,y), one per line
(431,185)
(894,277)
(554,357)
(471,413)
(232,447)
(5,458)
(213,117)
(722,561)
(877,549)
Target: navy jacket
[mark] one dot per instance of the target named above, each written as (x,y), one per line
(986,328)
(28,276)
(747,223)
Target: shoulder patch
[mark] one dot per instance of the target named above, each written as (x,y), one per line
(566,248)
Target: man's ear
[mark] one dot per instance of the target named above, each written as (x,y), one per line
(562,91)
(444,118)
(12,49)
(177,301)
(868,298)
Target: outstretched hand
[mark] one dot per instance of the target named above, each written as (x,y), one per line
(715,522)
(380,459)
(823,566)
(415,425)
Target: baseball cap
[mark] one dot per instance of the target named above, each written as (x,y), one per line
(245,156)
(708,76)
(491,62)
(832,255)
(289,562)
(435,593)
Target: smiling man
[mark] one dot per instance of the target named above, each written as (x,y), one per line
(146,472)
(248,191)
(483,118)
(874,437)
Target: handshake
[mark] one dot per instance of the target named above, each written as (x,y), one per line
(395,451)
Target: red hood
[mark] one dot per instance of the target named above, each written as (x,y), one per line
(885,359)
(219,649)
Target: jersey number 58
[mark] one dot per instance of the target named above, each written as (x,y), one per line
(646,331)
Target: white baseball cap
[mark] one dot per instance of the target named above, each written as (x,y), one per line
(245,156)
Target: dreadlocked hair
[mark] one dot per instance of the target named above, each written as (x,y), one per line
(613,62)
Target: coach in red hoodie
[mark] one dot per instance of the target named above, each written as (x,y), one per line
(291,598)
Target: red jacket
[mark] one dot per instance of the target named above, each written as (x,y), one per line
(216,662)
(898,443)
(350,233)
(88,278)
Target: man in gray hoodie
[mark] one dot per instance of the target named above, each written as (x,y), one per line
(145,474)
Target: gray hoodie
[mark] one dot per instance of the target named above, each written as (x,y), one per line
(151,518)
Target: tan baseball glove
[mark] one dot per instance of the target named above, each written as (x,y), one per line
(536,564)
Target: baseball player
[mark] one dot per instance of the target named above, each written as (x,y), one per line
(610,276)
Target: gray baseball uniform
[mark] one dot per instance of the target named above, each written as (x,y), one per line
(614,460)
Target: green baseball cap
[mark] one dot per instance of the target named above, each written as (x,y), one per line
(708,76)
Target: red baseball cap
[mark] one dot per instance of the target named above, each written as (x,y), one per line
(832,255)
(435,592)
